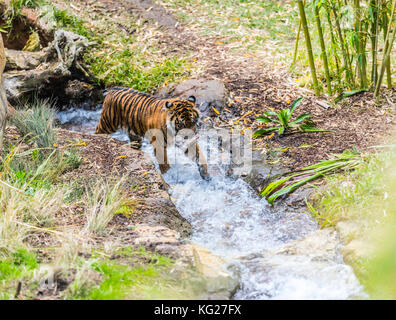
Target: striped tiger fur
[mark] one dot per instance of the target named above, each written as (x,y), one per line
(137,112)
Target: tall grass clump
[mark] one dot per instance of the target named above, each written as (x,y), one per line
(36,122)
(104,198)
(359,35)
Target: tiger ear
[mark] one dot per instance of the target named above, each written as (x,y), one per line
(191,99)
(168,104)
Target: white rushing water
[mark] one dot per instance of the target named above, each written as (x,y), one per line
(263,247)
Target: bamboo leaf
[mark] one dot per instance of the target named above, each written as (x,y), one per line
(349,94)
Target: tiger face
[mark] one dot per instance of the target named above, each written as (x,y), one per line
(182,114)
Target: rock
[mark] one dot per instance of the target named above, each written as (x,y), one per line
(158,238)
(261,171)
(202,271)
(217,282)
(166,214)
(209,93)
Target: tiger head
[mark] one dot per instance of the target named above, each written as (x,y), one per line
(182,113)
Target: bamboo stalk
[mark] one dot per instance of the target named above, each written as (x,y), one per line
(374,42)
(334,43)
(296,44)
(344,49)
(323,49)
(361,55)
(309,46)
(297,41)
(387,51)
(385,29)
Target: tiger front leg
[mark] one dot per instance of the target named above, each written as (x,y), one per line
(162,158)
(161,154)
(201,162)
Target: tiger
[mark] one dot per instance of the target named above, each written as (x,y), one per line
(137,113)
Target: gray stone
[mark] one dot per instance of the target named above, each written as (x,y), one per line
(209,93)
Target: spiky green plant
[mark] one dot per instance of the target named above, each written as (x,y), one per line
(292,180)
(283,122)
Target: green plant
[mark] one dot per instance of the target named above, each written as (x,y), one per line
(283,122)
(104,198)
(353,32)
(292,180)
(36,122)
(15,10)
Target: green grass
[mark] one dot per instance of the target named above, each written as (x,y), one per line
(37,213)
(120,59)
(20,265)
(361,205)
(252,22)
(35,122)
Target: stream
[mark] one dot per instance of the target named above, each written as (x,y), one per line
(275,253)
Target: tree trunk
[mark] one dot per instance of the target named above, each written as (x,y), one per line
(3,97)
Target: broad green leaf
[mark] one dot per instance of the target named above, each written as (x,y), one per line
(264,119)
(271,113)
(302,118)
(284,117)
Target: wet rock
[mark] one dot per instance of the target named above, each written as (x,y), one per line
(204,272)
(209,93)
(261,172)
(218,282)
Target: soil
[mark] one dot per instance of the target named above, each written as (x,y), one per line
(21,30)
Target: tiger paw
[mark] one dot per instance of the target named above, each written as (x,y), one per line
(204,174)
